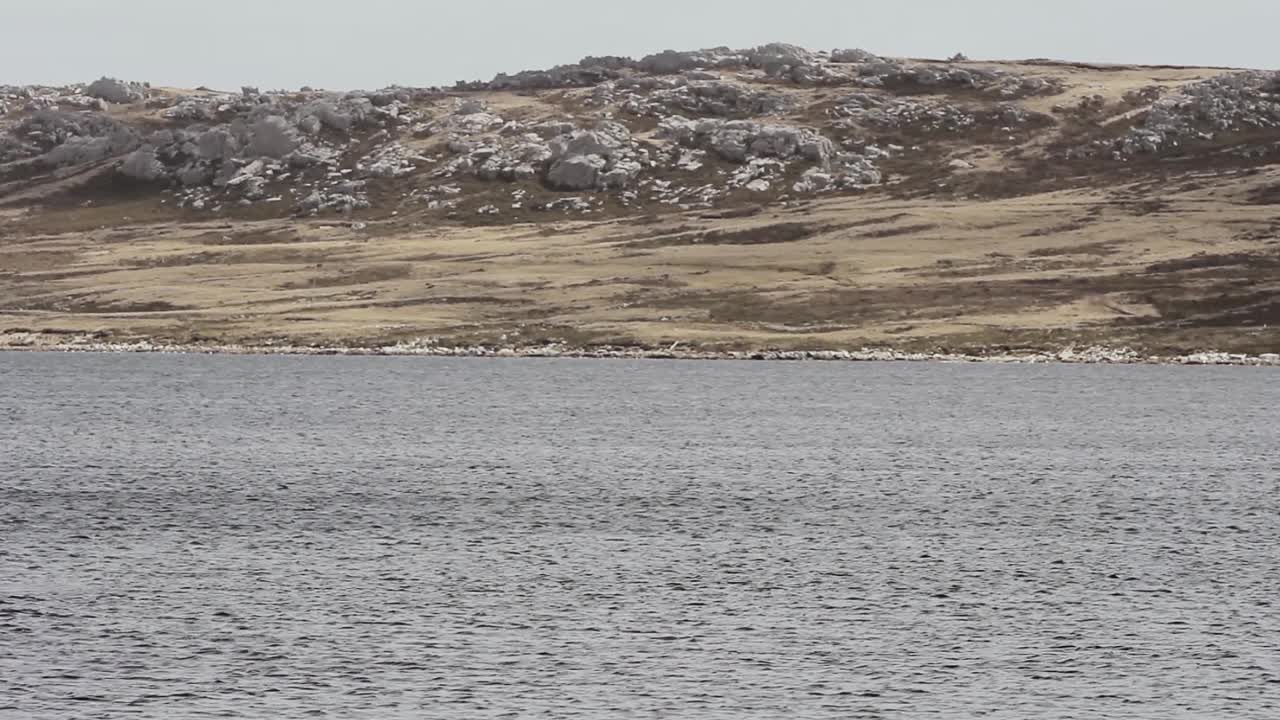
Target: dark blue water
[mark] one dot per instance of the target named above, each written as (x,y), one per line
(185,537)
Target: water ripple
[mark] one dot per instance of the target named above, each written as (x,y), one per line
(409,538)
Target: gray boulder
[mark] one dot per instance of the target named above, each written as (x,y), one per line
(620,175)
(217,145)
(776,55)
(195,173)
(272,137)
(681,130)
(143,165)
(587,142)
(670,62)
(78,150)
(813,180)
(116,91)
(576,172)
(324,114)
(732,141)
(854,56)
(310,124)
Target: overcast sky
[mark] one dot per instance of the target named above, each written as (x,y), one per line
(346,44)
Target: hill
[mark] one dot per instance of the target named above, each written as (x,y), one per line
(723,199)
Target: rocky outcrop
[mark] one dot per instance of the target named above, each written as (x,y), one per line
(740,140)
(339,115)
(603,159)
(116,91)
(58,138)
(81,150)
(702,98)
(927,115)
(217,145)
(777,58)
(557,77)
(469,117)
(142,164)
(1227,103)
(897,75)
(669,62)
(272,137)
(764,148)
(576,172)
(855,56)
(886,111)
(683,128)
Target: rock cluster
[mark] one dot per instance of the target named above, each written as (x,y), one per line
(566,157)
(763,146)
(899,75)
(235,144)
(855,56)
(703,98)
(926,115)
(116,91)
(33,98)
(318,151)
(602,159)
(887,111)
(669,62)
(1227,103)
(741,140)
(58,138)
(588,72)
(681,128)
(779,61)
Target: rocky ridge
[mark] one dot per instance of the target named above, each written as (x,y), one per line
(770,198)
(685,129)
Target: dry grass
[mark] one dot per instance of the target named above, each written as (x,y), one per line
(1201,272)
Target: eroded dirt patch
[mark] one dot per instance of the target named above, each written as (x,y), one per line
(763,235)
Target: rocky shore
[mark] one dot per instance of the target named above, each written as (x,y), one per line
(1071,355)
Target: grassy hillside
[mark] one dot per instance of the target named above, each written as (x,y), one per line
(820,204)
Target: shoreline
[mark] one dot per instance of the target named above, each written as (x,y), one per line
(1068,356)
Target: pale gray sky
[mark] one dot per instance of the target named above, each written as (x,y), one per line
(345,44)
